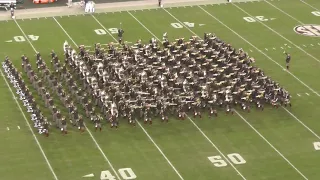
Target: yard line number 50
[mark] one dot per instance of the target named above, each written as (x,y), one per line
(234,158)
(125,173)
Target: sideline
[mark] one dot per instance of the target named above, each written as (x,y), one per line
(107,7)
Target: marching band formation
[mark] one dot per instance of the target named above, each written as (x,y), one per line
(147,80)
(144,81)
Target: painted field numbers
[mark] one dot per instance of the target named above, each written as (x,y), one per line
(234,158)
(125,173)
(23,39)
(316,13)
(255,19)
(103,32)
(179,25)
(316,146)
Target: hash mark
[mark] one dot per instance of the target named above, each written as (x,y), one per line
(18,127)
(50,123)
(281,47)
(274,48)
(8,128)
(266,49)
(311,44)
(70,121)
(250,50)
(307,94)
(289,47)
(319,44)
(304,45)
(299,95)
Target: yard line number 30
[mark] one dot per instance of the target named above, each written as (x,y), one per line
(234,158)
(125,173)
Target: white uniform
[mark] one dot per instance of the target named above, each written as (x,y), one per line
(65,44)
(114,111)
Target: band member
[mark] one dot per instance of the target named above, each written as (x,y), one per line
(46,127)
(97,121)
(80,124)
(120,34)
(147,114)
(288,59)
(63,125)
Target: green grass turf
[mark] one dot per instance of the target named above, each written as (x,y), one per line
(274,143)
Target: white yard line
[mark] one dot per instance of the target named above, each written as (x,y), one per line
(103,27)
(301,123)
(206,137)
(94,140)
(24,116)
(312,90)
(144,26)
(309,5)
(271,146)
(161,152)
(165,157)
(278,33)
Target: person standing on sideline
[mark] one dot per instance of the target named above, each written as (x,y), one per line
(69,3)
(160,3)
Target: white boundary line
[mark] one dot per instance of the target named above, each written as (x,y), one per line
(278,33)
(94,140)
(312,90)
(240,115)
(161,152)
(24,116)
(271,145)
(206,137)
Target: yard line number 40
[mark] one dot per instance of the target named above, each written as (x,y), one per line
(234,158)
(103,32)
(125,173)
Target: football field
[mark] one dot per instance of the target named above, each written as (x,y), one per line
(274,144)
